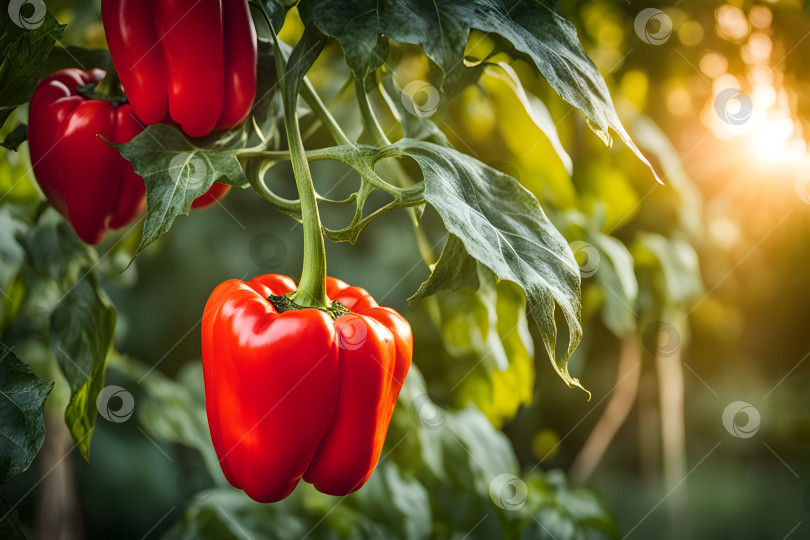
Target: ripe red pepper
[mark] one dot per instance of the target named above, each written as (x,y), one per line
(84,178)
(193,61)
(296,393)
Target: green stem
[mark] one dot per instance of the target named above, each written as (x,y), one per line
(314,100)
(369,119)
(312,287)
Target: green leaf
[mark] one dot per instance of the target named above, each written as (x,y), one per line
(82,331)
(671,268)
(535,109)
(617,280)
(176,172)
(25,43)
(9,522)
(502,225)
(454,270)
(22,422)
(15,138)
(416,127)
(54,249)
(537,29)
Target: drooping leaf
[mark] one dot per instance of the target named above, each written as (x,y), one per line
(502,225)
(176,172)
(81,340)
(535,28)
(22,422)
(454,270)
(535,108)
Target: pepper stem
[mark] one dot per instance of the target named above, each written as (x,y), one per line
(312,287)
(109,89)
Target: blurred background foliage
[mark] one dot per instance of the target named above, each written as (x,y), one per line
(694,295)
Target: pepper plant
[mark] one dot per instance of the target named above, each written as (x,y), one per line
(504,253)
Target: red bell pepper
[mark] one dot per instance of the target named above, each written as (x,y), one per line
(193,61)
(294,393)
(84,178)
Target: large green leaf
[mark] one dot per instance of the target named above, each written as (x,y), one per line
(176,172)
(454,270)
(25,44)
(502,225)
(82,330)
(22,423)
(535,28)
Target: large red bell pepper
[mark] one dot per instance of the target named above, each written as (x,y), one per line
(193,61)
(296,393)
(84,178)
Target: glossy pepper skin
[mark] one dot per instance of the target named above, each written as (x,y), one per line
(298,394)
(193,61)
(84,178)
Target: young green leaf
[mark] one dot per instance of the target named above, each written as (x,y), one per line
(15,138)
(176,172)
(82,330)
(502,225)
(22,423)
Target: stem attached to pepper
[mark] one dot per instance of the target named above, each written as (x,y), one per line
(312,287)
(109,89)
